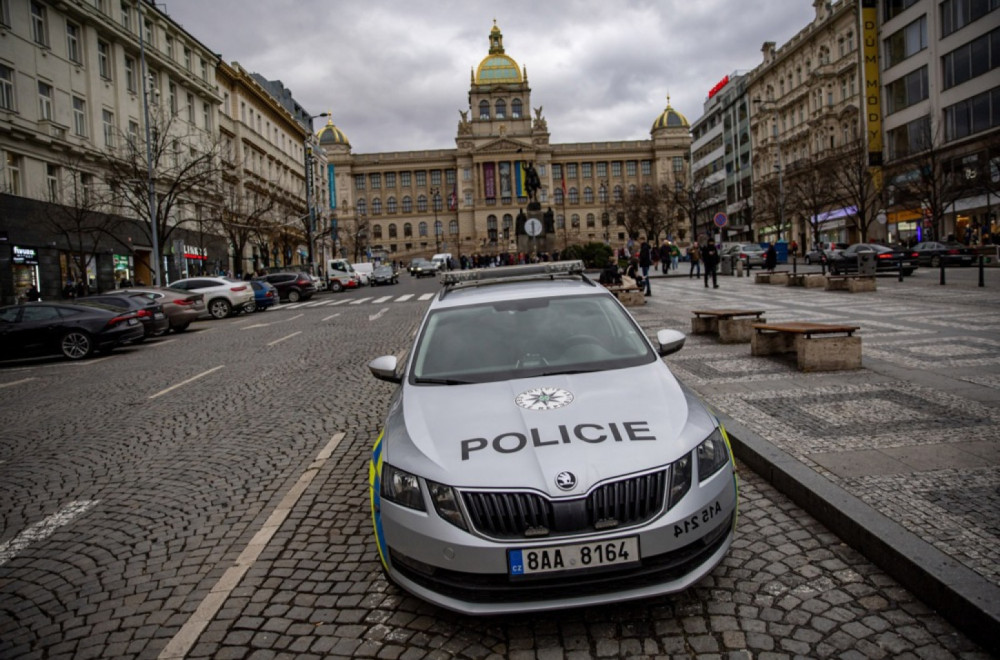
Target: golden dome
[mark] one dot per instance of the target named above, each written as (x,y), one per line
(670,118)
(331,135)
(497,67)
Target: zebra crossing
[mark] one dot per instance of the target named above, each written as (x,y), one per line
(370,300)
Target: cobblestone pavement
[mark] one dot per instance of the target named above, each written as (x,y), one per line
(205,495)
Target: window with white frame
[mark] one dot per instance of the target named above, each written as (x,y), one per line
(108,118)
(187,58)
(73,42)
(172,96)
(39,24)
(79,116)
(13,173)
(52,182)
(190,108)
(130,76)
(127,16)
(133,132)
(104,59)
(6,88)
(206,115)
(44,101)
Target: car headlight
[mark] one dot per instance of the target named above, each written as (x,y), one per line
(680,480)
(446,504)
(713,454)
(401,487)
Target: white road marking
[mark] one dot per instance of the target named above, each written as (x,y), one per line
(379,301)
(361,300)
(189,380)
(427,296)
(316,303)
(264,325)
(17,382)
(185,639)
(372,317)
(404,297)
(332,316)
(43,529)
(162,342)
(278,341)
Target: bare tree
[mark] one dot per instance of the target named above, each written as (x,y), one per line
(185,164)
(691,196)
(246,217)
(645,212)
(857,186)
(810,189)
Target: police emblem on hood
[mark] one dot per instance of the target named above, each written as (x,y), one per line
(544,398)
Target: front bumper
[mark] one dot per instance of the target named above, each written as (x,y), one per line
(468,573)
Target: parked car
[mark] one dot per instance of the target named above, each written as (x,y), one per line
(339,281)
(548,483)
(264,294)
(951,253)
(154,320)
(364,271)
(423,268)
(384,274)
(821,252)
(181,307)
(223,295)
(750,254)
(75,329)
(292,287)
(886,258)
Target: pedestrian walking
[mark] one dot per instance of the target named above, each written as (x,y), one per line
(710,256)
(675,256)
(645,259)
(770,258)
(32,294)
(664,257)
(694,254)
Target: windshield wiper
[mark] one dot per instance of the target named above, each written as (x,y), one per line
(568,372)
(441,381)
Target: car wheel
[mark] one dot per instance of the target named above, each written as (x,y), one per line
(336,286)
(293,296)
(76,344)
(180,328)
(935,261)
(219,308)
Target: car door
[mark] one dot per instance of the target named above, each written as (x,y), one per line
(39,327)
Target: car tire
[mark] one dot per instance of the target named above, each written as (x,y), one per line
(180,328)
(219,308)
(293,296)
(336,286)
(76,345)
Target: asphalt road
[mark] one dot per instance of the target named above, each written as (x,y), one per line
(205,495)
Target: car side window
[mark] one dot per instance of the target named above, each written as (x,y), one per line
(39,314)
(9,314)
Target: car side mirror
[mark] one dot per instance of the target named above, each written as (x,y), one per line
(384,368)
(670,341)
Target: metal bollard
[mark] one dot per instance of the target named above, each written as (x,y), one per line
(982,281)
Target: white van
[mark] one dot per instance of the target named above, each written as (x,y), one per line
(340,275)
(364,271)
(443,260)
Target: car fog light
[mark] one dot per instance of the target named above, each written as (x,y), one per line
(446,504)
(402,488)
(713,454)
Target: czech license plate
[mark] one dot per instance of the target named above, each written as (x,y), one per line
(133,321)
(576,556)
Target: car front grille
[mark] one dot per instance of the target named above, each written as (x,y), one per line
(513,514)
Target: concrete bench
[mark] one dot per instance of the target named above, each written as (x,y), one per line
(733,326)
(775,277)
(628,293)
(807,280)
(851,283)
(817,346)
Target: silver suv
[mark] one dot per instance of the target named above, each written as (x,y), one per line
(223,295)
(538,453)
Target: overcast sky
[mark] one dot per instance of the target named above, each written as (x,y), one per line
(395,73)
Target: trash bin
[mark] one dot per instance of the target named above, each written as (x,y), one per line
(866,263)
(727,266)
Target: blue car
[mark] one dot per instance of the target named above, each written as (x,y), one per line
(264,294)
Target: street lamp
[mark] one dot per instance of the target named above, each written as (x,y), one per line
(311,225)
(435,197)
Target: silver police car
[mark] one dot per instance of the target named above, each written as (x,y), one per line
(538,454)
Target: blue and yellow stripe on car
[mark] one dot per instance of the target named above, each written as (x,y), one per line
(374,493)
(736,476)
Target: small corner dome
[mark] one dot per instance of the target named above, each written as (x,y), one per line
(331,135)
(670,118)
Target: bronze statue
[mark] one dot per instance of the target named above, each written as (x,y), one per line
(531,181)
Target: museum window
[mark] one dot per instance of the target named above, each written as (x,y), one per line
(422,229)
(515,109)
(574,196)
(647,168)
(631,168)
(362,207)
(421,179)
(404,179)
(392,231)
(390,205)
(377,206)
(377,232)
(407,204)
(422,204)
(484,109)
(501,107)
(435,177)
(359,181)
(453,227)
(602,169)
(616,168)
(588,195)
(390,179)
(571,171)
(602,194)
(450,177)
(587,170)
(407,230)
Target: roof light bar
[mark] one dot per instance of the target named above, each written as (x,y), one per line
(542,270)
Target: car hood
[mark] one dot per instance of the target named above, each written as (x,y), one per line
(525,432)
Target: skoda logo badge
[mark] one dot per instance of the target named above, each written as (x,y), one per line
(566,480)
(544,398)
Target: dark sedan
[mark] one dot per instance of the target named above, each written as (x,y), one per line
(951,253)
(886,259)
(423,268)
(76,330)
(154,320)
(821,253)
(384,275)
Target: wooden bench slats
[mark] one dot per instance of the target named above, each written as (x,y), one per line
(805,328)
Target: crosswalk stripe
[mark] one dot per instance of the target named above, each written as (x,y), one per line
(426,296)
(361,300)
(404,297)
(381,300)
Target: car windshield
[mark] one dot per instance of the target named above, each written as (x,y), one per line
(527,337)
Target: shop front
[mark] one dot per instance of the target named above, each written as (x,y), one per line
(24,268)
